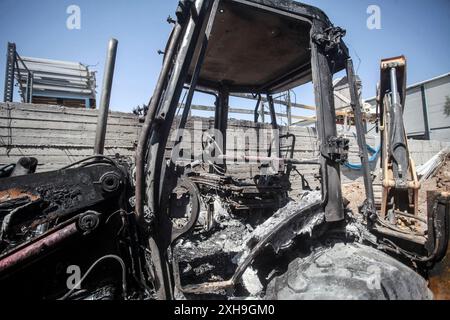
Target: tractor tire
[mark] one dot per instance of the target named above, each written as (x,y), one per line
(348,272)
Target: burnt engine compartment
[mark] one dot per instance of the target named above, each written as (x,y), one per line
(55,226)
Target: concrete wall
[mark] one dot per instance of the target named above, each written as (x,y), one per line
(59,136)
(422,151)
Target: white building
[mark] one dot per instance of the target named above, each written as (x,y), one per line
(425,114)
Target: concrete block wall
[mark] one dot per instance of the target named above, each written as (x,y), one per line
(58,136)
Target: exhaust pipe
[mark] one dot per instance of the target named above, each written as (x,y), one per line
(105,98)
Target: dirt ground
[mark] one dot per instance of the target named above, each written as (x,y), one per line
(355,195)
(355,192)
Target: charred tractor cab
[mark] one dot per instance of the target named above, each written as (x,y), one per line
(257,47)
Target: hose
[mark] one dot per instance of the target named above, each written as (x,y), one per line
(90,158)
(374,155)
(111,256)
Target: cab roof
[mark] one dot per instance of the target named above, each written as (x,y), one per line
(260,46)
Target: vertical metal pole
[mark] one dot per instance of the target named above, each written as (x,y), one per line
(425,113)
(326,128)
(31,86)
(221,120)
(360,132)
(289,108)
(27,89)
(257,108)
(9,73)
(105,98)
(262,113)
(394,86)
(273,116)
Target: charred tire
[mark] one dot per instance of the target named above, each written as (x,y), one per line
(348,272)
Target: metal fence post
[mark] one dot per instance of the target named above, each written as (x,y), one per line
(106,97)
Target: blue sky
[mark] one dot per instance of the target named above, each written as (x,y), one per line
(418,29)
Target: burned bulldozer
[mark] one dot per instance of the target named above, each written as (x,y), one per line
(171,228)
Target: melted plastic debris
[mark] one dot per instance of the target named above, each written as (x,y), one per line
(303,225)
(208,256)
(251,282)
